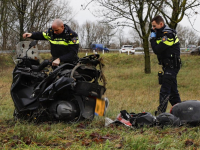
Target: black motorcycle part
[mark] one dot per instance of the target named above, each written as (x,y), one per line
(167,119)
(69,91)
(40,67)
(89,61)
(88,73)
(188,112)
(51,78)
(85,73)
(89,107)
(22,89)
(64,83)
(142,119)
(28,62)
(65,110)
(89,89)
(86,105)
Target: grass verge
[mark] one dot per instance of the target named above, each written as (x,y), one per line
(127,88)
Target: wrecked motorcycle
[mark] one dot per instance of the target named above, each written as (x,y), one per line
(71,92)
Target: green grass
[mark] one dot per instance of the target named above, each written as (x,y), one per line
(129,88)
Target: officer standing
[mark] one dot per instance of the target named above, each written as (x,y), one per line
(64,42)
(166,46)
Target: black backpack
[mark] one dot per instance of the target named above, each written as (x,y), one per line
(167,119)
(140,119)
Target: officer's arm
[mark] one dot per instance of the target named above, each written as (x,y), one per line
(38,36)
(163,45)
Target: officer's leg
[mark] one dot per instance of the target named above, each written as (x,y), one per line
(165,91)
(174,97)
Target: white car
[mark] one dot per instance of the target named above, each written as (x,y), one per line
(139,50)
(126,49)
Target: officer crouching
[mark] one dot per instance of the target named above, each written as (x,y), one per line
(166,46)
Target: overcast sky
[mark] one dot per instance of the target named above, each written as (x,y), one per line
(82,15)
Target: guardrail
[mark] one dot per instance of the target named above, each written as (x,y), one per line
(13,51)
(183,51)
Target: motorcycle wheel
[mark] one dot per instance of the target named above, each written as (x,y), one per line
(79,117)
(66,110)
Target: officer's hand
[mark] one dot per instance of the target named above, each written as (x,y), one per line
(25,35)
(56,62)
(153,35)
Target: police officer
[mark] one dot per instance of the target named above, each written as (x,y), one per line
(166,46)
(64,42)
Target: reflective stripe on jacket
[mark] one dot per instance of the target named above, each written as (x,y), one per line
(169,41)
(166,43)
(59,41)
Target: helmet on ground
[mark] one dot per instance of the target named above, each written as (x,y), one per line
(188,112)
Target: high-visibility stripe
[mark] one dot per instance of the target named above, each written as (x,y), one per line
(58,41)
(46,36)
(158,41)
(168,42)
(177,40)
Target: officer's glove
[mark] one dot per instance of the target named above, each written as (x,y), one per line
(153,35)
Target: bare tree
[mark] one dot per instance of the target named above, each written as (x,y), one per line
(19,16)
(35,14)
(90,34)
(174,10)
(120,37)
(187,36)
(131,13)
(6,19)
(138,13)
(104,33)
(199,42)
(137,41)
(95,32)
(74,25)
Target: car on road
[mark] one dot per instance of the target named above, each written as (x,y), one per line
(139,49)
(191,47)
(126,49)
(196,51)
(99,47)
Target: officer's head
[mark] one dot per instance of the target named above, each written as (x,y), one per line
(57,26)
(157,22)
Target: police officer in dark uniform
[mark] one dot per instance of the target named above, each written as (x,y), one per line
(166,46)
(64,42)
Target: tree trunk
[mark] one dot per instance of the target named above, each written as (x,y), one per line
(21,30)
(5,36)
(147,55)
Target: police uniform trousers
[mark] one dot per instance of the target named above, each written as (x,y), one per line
(169,91)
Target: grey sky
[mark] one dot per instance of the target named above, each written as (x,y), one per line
(83,15)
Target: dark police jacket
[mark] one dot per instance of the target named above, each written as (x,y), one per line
(64,46)
(166,43)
